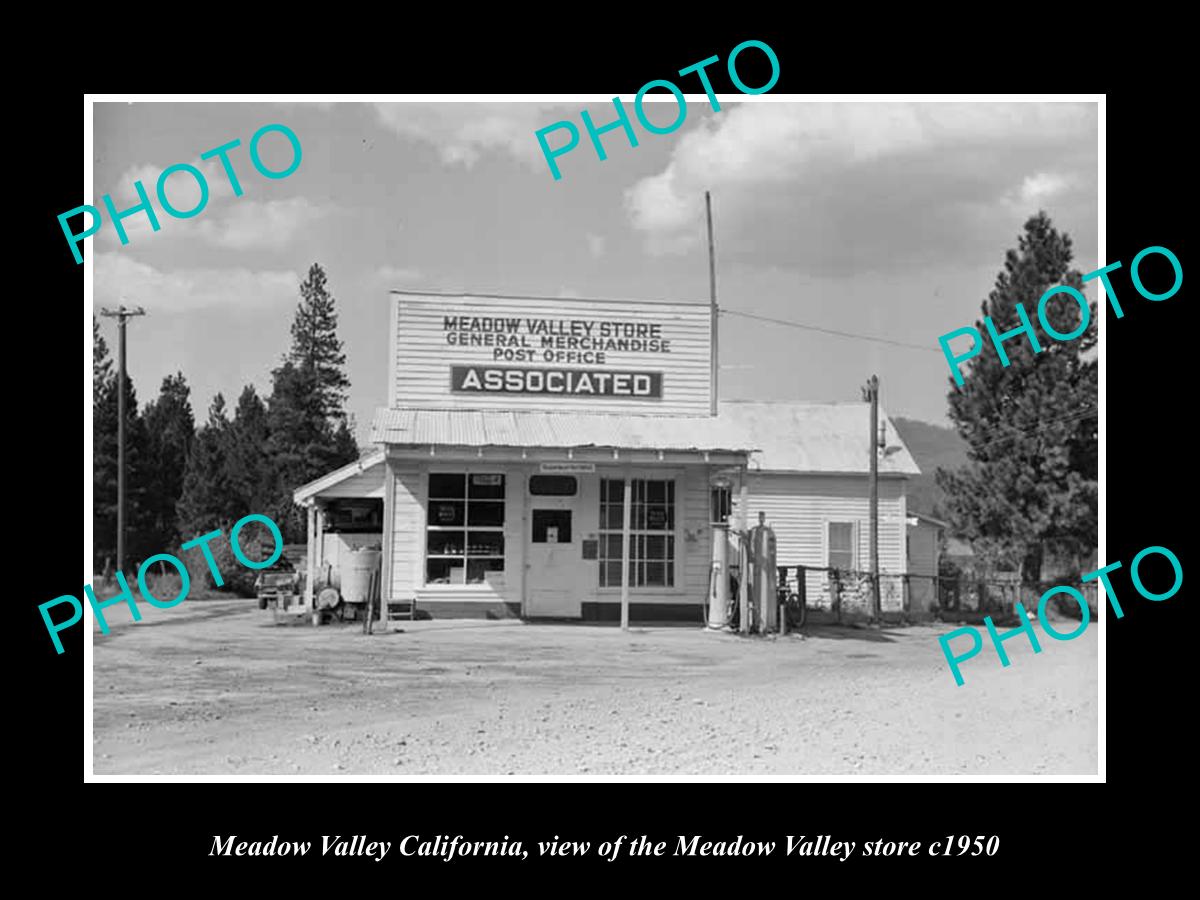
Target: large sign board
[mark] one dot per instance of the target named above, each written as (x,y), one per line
(551,353)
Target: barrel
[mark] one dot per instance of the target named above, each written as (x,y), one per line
(356,568)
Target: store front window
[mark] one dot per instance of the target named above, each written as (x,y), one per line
(651,532)
(465,528)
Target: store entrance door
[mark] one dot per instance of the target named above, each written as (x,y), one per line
(554,577)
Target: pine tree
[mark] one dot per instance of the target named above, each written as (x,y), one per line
(102,373)
(308,429)
(138,531)
(248,461)
(315,344)
(303,443)
(1031,427)
(170,429)
(208,500)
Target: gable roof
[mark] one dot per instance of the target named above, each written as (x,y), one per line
(362,465)
(825,438)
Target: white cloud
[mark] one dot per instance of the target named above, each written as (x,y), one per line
(462,132)
(596,245)
(261,225)
(228,221)
(119,276)
(842,187)
(1038,188)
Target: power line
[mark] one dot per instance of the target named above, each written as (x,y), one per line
(1077,416)
(846,334)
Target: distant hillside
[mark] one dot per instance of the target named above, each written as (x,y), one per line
(932,447)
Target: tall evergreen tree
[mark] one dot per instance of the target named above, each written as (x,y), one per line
(248,461)
(170,429)
(303,444)
(308,430)
(1031,427)
(138,532)
(102,364)
(315,344)
(209,500)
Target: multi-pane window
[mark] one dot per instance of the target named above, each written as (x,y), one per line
(841,545)
(651,532)
(465,529)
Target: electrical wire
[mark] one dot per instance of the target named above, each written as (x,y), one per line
(866,337)
(1077,416)
(846,334)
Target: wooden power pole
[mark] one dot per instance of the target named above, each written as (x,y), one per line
(872,391)
(712,298)
(122,314)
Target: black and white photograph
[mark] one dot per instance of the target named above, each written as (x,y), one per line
(682,437)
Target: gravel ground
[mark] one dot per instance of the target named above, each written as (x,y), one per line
(214,687)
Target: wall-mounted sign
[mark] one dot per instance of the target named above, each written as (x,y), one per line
(489,480)
(571,382)
(550,353)
(567,468)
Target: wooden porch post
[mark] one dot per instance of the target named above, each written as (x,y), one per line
(625,553)
(311,567)
(385,564)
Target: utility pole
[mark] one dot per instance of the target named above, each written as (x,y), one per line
(122,314)
(872,394)
(712,297)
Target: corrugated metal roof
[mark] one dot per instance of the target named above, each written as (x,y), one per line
(539,428)
(788,437)
(816,437)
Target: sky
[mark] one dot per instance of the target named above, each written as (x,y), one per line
(883,219)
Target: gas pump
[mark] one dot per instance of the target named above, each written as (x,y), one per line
(763,575)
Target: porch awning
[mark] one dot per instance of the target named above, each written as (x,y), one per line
(539,428)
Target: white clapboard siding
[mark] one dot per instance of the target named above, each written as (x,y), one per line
(697,551)
(693,538)
(368,483)
(799,509)
(423,356)
(408,525)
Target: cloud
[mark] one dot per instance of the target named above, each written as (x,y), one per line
(1038,188)
(840,188)
(595,245)
(227,221)
(119,276)
(462,132)
(262,225)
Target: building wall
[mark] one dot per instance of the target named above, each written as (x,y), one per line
(429,331)
(799,509)
(367,483)
(506,598)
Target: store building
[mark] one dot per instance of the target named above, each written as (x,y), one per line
(548,457)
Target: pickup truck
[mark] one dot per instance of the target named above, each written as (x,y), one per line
(280,587)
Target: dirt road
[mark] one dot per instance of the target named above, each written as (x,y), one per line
(214,687)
